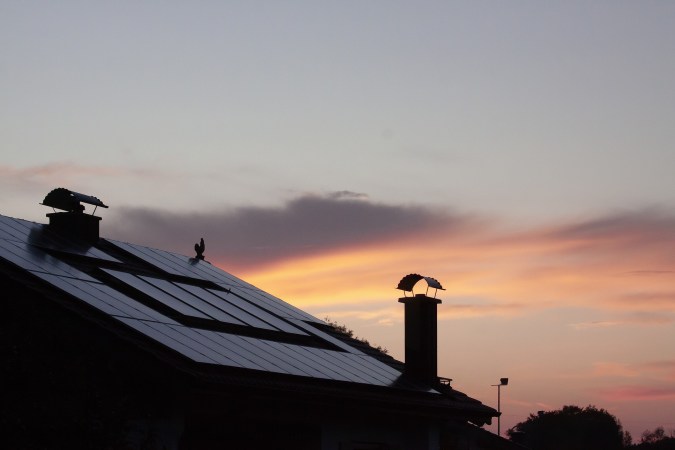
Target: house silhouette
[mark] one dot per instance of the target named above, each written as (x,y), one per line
(109,344)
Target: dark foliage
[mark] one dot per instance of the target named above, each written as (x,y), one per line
(570,428)
(341,328)
(655,440)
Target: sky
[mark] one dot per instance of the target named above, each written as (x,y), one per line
(520,152)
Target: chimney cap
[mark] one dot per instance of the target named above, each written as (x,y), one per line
(408,282)
(61,198)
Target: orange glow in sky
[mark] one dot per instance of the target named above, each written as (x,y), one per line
(594,317)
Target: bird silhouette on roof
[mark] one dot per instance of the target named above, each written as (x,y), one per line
(199,248)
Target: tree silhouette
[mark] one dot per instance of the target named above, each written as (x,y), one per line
(655,440)
(570,428)
(649,437)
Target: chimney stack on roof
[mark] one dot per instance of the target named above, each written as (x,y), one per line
(73,222)
(421,341)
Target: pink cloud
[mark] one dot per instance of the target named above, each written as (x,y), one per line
(459,311)
(596,324)
(66,171)
(660,369)
(638,393)
(604,369)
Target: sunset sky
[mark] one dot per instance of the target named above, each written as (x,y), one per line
(522,153)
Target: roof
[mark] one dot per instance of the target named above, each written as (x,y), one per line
(202,318)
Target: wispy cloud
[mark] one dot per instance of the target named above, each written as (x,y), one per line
(603,369)
(661,370)
(36,181)
(596,324)
(66,171)
(457,310)
(647,226)
(638,393)
(634,318)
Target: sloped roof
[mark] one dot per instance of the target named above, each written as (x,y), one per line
(205,317)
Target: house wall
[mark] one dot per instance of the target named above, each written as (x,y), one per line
(371,436)
(69,383)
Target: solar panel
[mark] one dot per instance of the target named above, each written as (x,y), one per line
(326,337)
(254,310)
(378,366)
(166,261)
(335,360)
(31,258)
(206,346)
(295,357)
(234,352)
(361,364)
(38,235)
(273,304)
(188,267)
(254,354)
(226,306)
(261,348)
(103,298)
(319,362)
(5,234)
(224,347)
(165,335)
(16,229)
(157,294)
(192,300)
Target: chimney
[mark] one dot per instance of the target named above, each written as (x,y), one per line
(73,222)
(421,341)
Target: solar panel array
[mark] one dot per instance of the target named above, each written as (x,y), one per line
(107,279)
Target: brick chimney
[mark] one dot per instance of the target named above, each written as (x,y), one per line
(421,340)
(75,225)
(73,222)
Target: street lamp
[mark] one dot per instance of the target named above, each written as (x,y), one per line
(502,382)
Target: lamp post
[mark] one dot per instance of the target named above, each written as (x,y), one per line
(502,382)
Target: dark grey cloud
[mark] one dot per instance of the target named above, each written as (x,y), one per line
(648,225)
(339,195)
(253,236)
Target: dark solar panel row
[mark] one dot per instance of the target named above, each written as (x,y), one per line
(249,305)
(157,294)
(204,304)
(182,265)
(227,349)
(271,303)
(226,303)
(326,337)
(258,354)
(34,233)
(32,258)
(104,298)
(195,302)
(163,334)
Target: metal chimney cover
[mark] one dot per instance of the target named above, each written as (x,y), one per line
(408,282)
(61,198)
